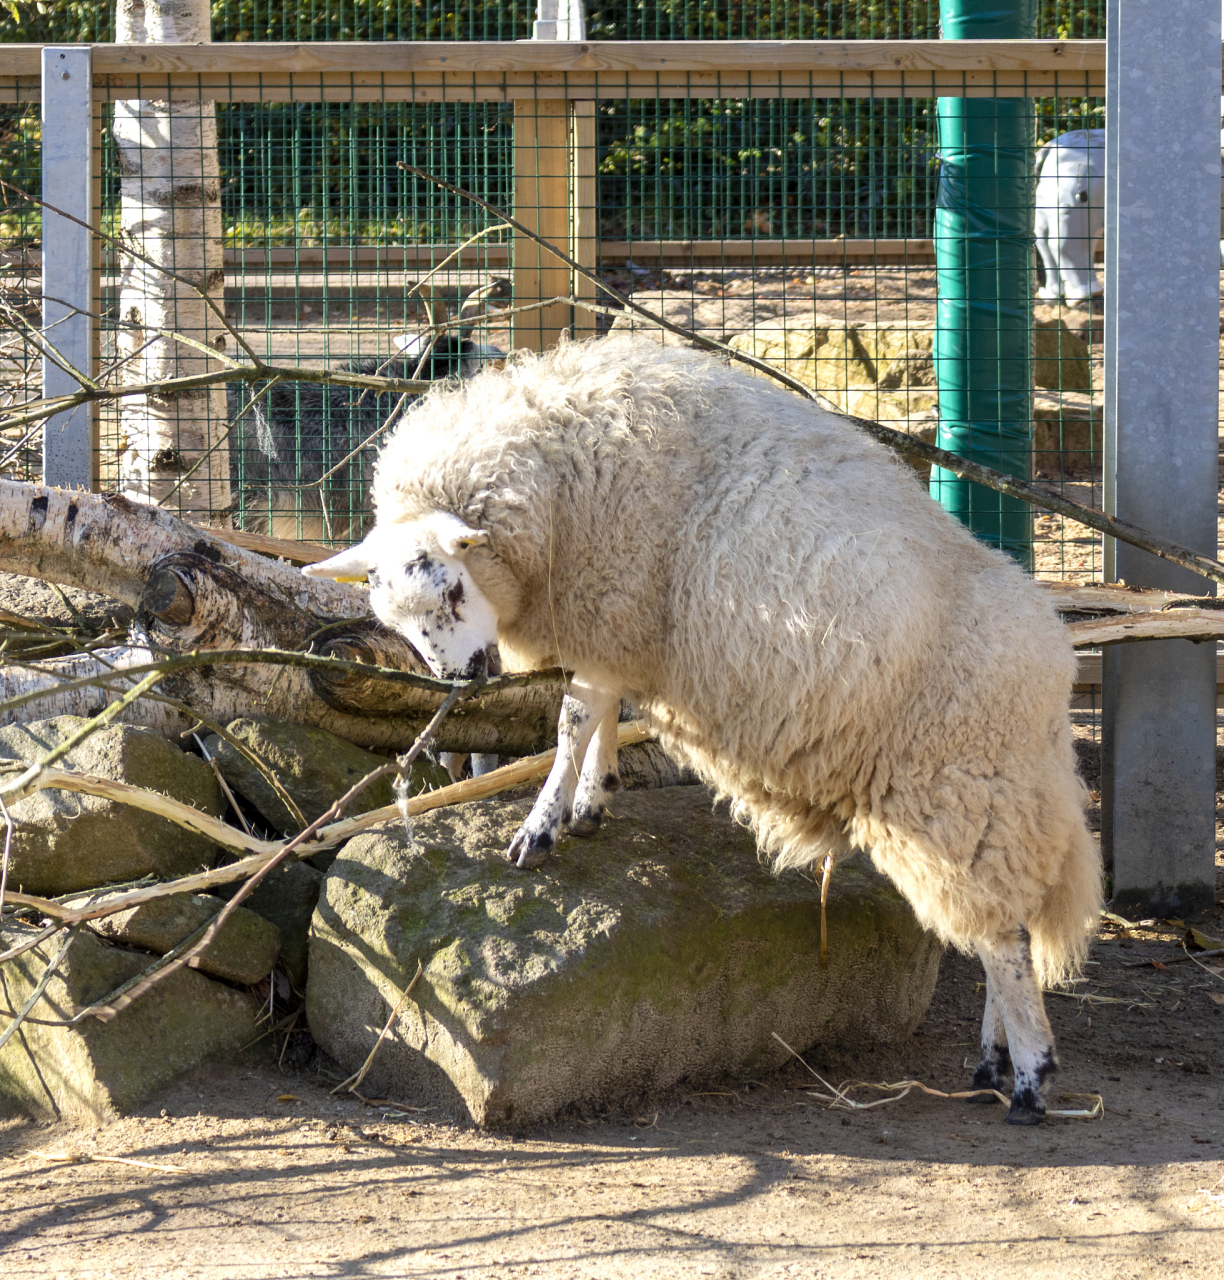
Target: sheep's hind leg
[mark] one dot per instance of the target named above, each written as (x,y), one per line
(599,778)
(581,712)
(995,1062)
(1008,962)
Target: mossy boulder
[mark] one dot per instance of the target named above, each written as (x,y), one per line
(314,767)
(243,951)
(64,841)
(97,1070)
(657,951)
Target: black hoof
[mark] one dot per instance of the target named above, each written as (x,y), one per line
(528,854)
(987,1098)
(1023,1114)
(585,824)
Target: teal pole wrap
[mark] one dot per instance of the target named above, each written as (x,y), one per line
(983,232)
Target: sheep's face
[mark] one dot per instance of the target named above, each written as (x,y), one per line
(421,586)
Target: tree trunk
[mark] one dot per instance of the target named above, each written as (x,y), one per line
(170,199)
(194,591)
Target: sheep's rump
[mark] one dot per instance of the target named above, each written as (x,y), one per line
(803,624)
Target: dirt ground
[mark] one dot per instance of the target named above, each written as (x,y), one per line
(263,1174)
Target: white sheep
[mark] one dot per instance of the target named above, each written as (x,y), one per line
(794,615)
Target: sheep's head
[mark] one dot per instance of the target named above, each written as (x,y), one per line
(421,586)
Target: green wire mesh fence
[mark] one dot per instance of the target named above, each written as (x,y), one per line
(797,227)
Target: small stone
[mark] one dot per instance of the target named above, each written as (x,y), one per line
(243,952)
(314,767)
(1060,359)
(65,841)
(656,951)
(1068,439)
(97,1070)
(286,898)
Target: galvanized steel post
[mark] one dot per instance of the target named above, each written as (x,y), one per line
(1161,439)
(69,453)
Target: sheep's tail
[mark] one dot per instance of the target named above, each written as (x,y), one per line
(1062,928)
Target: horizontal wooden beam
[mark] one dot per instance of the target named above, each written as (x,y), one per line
(409,257)
(395,71)
(394,57)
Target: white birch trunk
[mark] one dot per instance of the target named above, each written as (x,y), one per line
(171,213)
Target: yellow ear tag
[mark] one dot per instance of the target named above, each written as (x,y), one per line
(362,578)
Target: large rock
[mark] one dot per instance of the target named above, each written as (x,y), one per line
(64,841)
(314,767)
(851,364)
(1068,439)
(243,951)
(99,1069)
(657,951)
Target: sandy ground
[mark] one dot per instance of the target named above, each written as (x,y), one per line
(264,1174)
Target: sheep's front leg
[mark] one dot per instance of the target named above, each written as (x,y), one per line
(581,713)
(600,777)
(1010,977)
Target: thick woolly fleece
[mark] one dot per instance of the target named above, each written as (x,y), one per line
(783,601)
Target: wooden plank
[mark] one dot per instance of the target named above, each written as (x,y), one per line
(1088,675)
(643,251)
(514,86)
(392,57)
(584,226)
(503,71)
(542,203)
(281,548)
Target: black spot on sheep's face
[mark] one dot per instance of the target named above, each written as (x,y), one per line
(421,586)
(427,594)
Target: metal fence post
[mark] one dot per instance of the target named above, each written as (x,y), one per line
(69,447)
(1161,440)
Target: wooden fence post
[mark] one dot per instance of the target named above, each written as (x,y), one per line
(541,202)
(554,194)
(584,224)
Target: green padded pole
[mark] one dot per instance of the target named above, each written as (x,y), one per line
(983,226)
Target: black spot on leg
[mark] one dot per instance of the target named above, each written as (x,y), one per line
(610,782)
(990,1071)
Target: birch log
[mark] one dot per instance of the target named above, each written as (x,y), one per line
(170,198)
(195,591)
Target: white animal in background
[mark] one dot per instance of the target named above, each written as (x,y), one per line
(1069,213)
(783,602)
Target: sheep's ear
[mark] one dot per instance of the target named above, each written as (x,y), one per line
(458,539)
(349,566)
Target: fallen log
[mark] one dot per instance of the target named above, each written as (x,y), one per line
(195,590)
